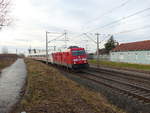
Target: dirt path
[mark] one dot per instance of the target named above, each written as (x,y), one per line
(11,82)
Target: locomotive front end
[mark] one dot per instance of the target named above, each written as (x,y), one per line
(79,58)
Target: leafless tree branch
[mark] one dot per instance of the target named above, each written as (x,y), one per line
(4,9)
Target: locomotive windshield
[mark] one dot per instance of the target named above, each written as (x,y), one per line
(78,52)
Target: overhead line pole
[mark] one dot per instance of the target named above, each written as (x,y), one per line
(46,48)
(47,42)
(97,34)
(65,39)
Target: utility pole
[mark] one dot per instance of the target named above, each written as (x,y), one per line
(47,41)
(97,34)
(54,48)
(86,45)
(86,48)
(16,51)
(65,39)
(46,47)
(96,42)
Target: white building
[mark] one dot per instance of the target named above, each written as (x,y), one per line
(134,52)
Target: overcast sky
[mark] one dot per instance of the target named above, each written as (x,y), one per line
(31,18)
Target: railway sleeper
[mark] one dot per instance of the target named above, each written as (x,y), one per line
(137,96)
(133,90)
(142,93)
(133,96)
(146,94)
(139,87)
(122,73)
(126,90)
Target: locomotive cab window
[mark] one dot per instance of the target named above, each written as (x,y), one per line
(79,52)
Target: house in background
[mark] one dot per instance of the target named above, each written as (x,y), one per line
(134,52)
(103,55)
(90,55)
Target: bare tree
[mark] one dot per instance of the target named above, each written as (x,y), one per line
(5,50)
(4,9)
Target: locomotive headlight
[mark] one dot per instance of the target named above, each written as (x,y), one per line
(84,59)
(75,60)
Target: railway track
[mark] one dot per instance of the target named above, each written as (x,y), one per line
(137,87)
(134,79)
(123,75)
(132,89)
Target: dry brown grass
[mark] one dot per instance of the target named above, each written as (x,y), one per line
(6,62)
(48,91)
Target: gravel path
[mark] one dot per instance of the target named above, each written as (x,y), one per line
(12,80)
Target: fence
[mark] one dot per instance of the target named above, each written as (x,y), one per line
(105,57)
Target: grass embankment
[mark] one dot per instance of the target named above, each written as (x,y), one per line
(6,62)
(48,91)
(122,65)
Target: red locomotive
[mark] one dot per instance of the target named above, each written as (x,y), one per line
(73,58)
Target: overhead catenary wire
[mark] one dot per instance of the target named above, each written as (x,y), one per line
(129,24)
(93,39)
(58,37)
(116,21)
(123,18)
(89,37)
(132,30)
(110,11)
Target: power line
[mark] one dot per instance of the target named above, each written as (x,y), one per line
(123,18)
(130,24)
(116,21)
(136,29)
(89,37)
(99,34)
(110,11)
(57,38)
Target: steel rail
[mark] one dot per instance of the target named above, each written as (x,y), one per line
(122,75)
(126,91)
(121,82)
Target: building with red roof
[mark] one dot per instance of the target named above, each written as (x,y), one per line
(134,52)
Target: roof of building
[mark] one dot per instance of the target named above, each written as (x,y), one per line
(133,46)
